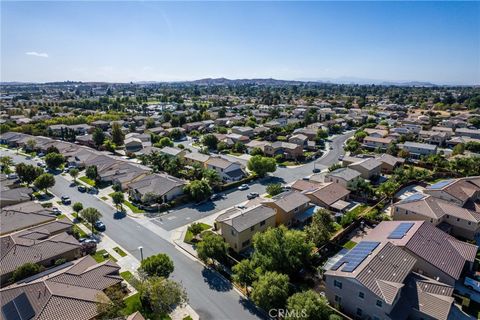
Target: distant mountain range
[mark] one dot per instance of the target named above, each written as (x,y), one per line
(261,81)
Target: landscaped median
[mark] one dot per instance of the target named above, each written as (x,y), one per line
(193,230)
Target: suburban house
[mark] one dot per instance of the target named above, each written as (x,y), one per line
(43,245)
(238,226)
(471,133)
(375,280)
(70,291)
(289,206)
(299,139)
(196,157)
(331,196)
(229,171)
(376,142)
(376,133)
(256,144)
(368,168)
(342,176)
(285,149)
(433,137)
(162,185)
(24,215)
(464,192)
(447,131)
(438,255)
(13,196)
(446,215)
(133,144)
(173,152)
(417,149)
(389,163)
(243,131)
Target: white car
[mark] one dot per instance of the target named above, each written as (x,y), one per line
(243,187)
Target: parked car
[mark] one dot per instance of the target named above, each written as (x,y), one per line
(307,178)
(41,164)
(217,196)
(473,283)
(243,187)
(287,188)
(99,225)
(56,211)
(316,170)
(241,206)
(93,190)
(252,195)
(41,154)
(12,176)
(82,188)
(66,200)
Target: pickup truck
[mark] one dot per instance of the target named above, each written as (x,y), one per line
(473,283)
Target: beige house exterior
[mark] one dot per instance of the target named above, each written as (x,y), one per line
(237,227)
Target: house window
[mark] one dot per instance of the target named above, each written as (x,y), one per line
(245,243)
(337,284)
(458,219)
(252,228)
(232,232)
(296,209)
(448,216)
(338,299)
(469,223)
(361,295)
(262,223)
(359,312)
(379,303)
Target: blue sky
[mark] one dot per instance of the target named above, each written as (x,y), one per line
(164,41)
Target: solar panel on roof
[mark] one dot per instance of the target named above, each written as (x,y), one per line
(440,184)
(401,230)
(355,256)
(414,197)
(18,309)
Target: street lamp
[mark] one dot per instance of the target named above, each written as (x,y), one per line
(141,252)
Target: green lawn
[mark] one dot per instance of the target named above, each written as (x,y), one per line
(129,277)
(87,181)
(133,304)
(358,210)
(80,232)
(104,198)
(350,244)
(120,252)
(98,256)
(189,235)
(61,216)
(132,207)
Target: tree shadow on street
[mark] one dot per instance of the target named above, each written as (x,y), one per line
(215,281)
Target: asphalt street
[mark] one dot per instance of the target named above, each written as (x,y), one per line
(188,214)
(209,294)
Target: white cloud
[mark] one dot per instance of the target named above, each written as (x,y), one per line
(37,54)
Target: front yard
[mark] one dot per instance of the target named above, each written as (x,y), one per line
(189,235)
(99,256)
(87,181)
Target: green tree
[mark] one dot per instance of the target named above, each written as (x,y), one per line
(212,177)
(261,165)
(198,190)
(282,250)
(112,307)
(161,296)
(244,273)
(353,146)
(117,134)
(458,149)
(98,137)
(118,198)
(334,167)
(195,228)
(150,123)
(74,172)
(321,227)
(361,187)
(109,145)
(54,160)
(159,265)
(26,270)
(309,304)
(77,207)
(91,172)
(44,181)
(31,143)
(164,142)
(256,152)
(212,247)
(210,141)
(270,291)
(322,134)
(360,135)
(274,188)
(27,173)
(6,162)
(91,215)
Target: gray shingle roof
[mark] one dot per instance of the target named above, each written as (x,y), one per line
(242,220)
